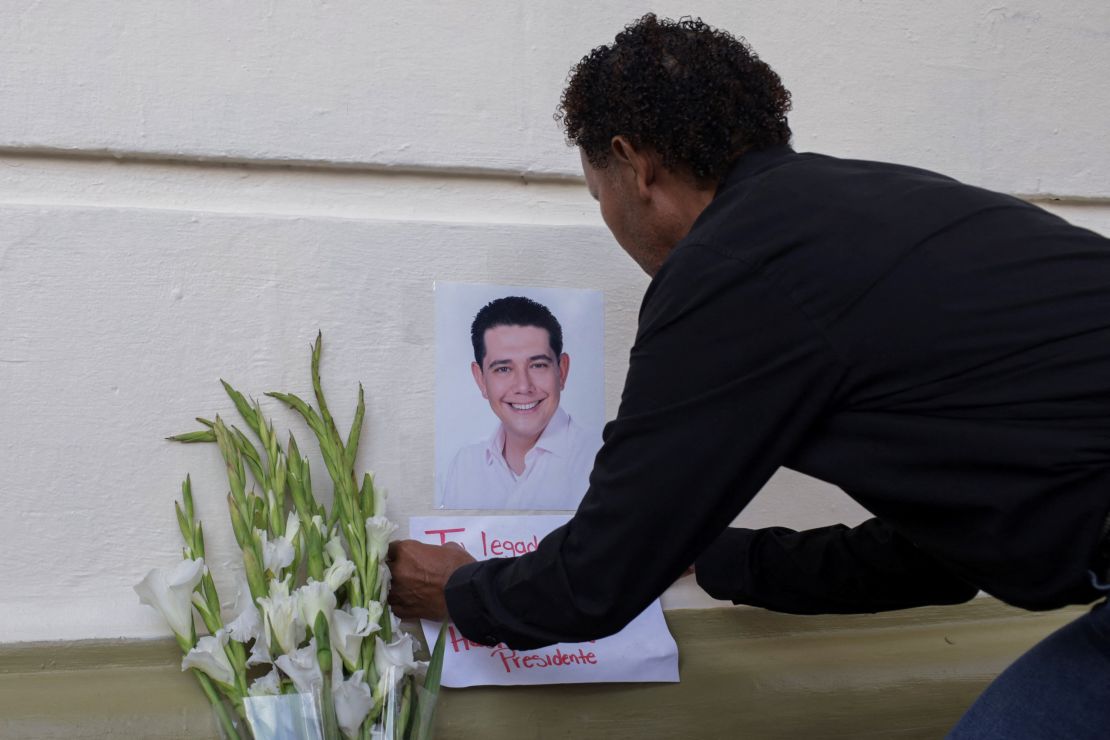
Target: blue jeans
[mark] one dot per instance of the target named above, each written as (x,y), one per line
(1059,689)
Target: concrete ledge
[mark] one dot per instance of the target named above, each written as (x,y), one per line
(745,673)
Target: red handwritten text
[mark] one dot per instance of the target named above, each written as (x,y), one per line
(507,548)
(444,532)
(514,661)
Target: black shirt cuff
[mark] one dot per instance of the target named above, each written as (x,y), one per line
(464,606)
(717,568)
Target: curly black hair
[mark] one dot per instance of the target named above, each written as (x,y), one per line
(698,96)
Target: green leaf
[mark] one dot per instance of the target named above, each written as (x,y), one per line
(435,665)
(254,460)
(310,416)
(233,460)
(187,496)
(323,642)
(198,541)
(204,435)
(366,496)
(318,390)
(237,522)
(242,406)
(351,449)
(314,544)
(426,704)
(184,525)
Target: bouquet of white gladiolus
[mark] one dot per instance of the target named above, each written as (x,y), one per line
(312,649)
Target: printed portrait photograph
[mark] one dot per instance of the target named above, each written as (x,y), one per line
(519,395)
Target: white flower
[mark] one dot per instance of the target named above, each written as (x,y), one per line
(292,526)
(397,654)
(348,629)
(378,531)
(385,578)
(281,618)
(334,549)
(338,573)
(247,626)
(260,654)
(387,684)
(312,598)
(353,701)
(301,666)
(277,554)
(280,588)
(169,590)
(209,657)
(268,685)
(379,498)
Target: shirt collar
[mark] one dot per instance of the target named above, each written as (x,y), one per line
(752,163)
(555,438)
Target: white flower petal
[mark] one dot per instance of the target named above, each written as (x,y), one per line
(292,526)
(378,531)
(208,655)
(268,685)
(169,590)
(379,499)
(385,580)
(353,701)
(338,573)
(276,555)
(301,666)
(281,620)
(397,654)
(334,549)
(247,626)
(260,654)
(312,598)
(348,629)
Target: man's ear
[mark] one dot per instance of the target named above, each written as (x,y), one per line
(564,370)
(479,379)
(642,163)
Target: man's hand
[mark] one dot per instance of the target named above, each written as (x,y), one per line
(420,573)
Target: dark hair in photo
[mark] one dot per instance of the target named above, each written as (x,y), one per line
(697,95)
(514,310)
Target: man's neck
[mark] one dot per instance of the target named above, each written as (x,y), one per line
(515,450)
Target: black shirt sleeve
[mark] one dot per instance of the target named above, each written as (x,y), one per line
(725,377)
(830,570)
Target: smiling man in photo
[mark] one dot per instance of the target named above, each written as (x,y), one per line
(538,457)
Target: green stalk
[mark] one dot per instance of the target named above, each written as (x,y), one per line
(217,705)
(401,726)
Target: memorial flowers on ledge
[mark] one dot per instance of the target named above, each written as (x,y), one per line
(312,649)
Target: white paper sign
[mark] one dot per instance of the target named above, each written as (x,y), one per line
(642,651)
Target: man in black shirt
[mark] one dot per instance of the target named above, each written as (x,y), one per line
(940,352)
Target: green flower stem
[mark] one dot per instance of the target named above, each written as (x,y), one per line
(217,704)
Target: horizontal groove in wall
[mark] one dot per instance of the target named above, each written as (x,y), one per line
(301,164)
(320,189)
(293,190)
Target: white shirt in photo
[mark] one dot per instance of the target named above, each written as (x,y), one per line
(556,471)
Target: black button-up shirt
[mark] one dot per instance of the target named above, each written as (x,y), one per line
(938,351)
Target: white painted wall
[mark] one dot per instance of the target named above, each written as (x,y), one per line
(189,190)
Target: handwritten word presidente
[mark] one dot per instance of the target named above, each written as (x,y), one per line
(492,546)
(512,660)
